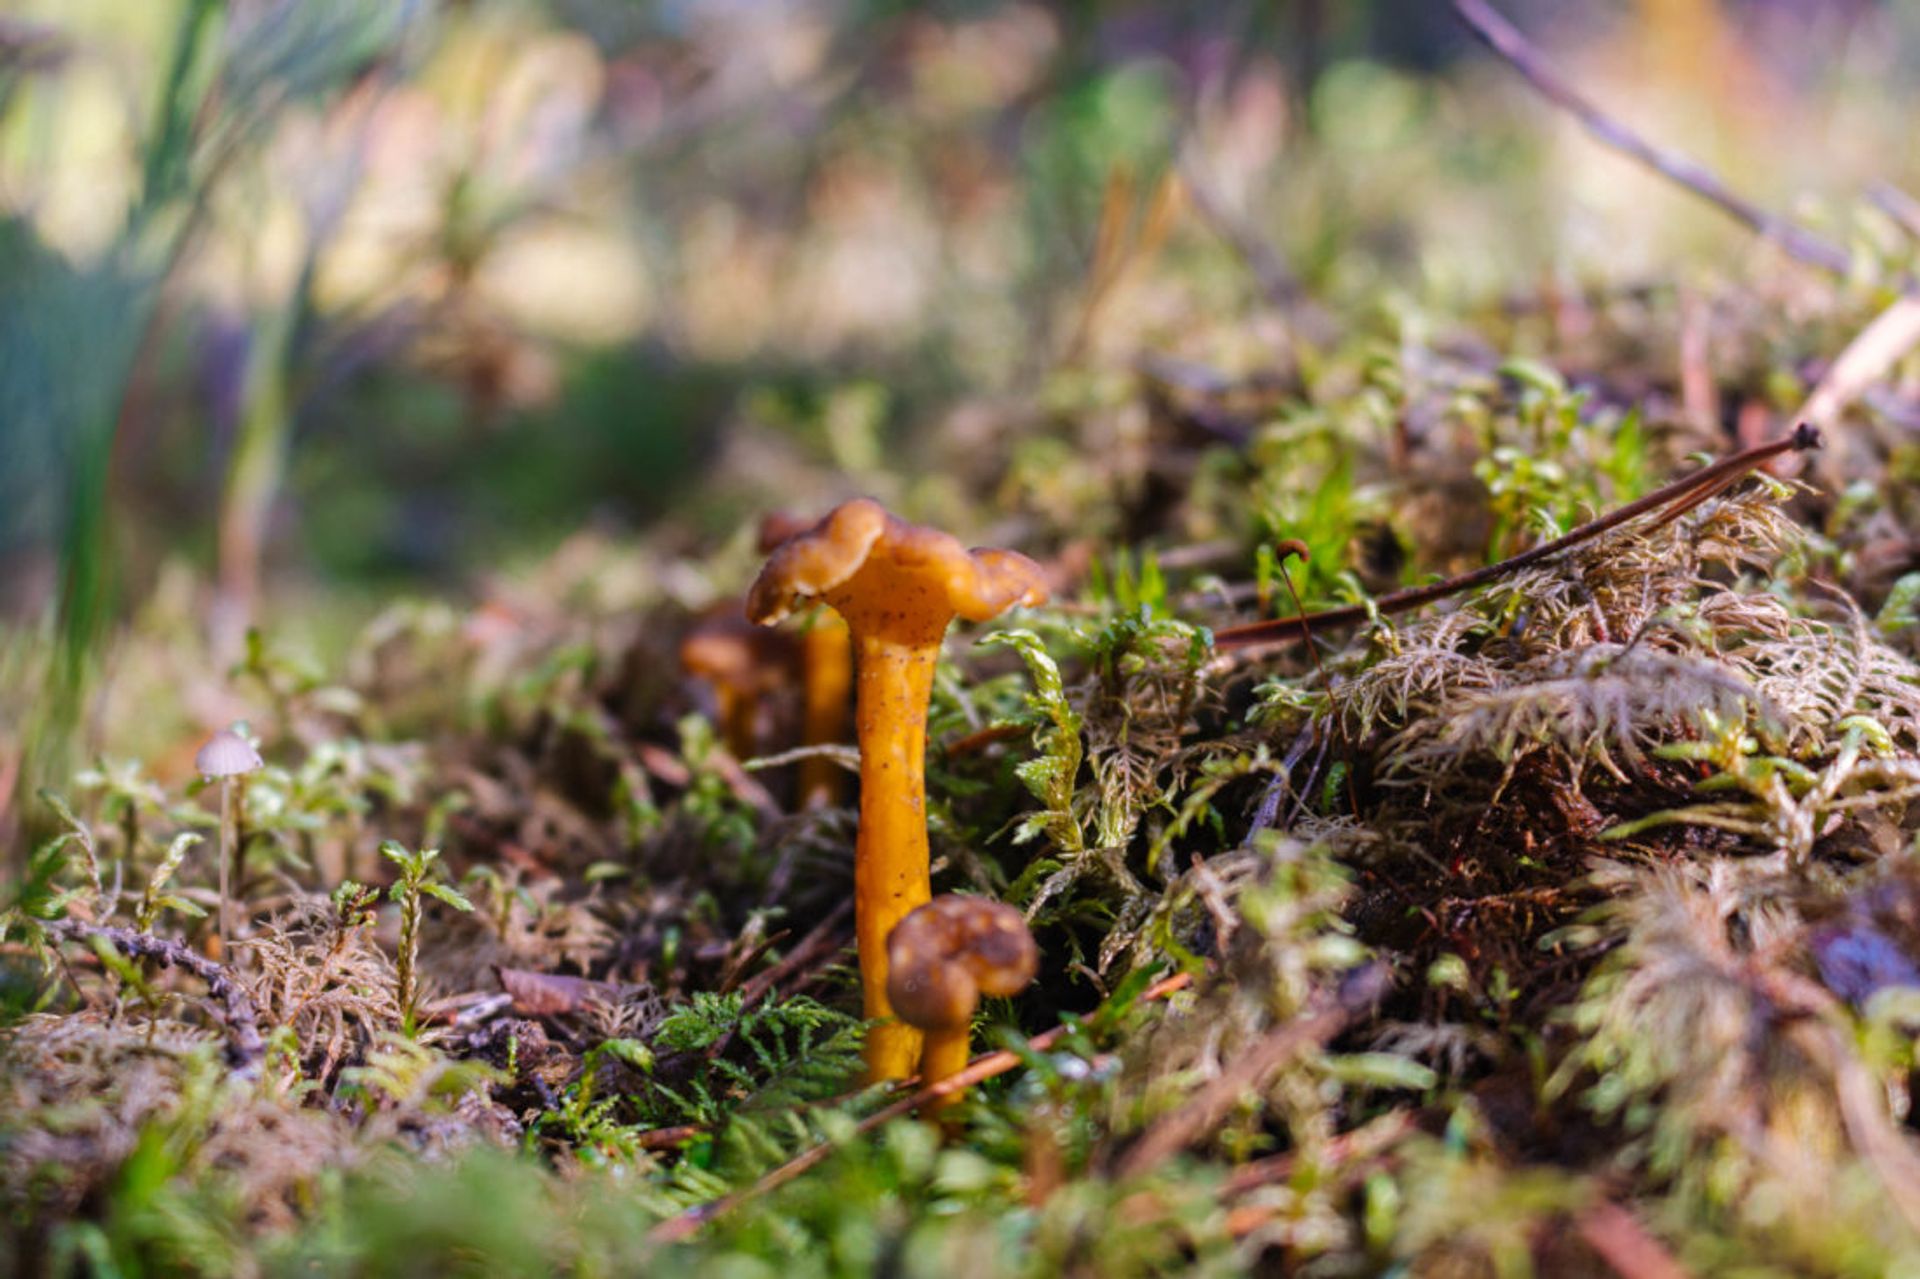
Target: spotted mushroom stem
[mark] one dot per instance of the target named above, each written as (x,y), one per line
(827,659)
(893,684)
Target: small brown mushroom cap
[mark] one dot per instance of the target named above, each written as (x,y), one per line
(725,647)
(863,560)
(779,526)
(226,754)
(946,954)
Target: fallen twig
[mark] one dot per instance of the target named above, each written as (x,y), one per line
(981,738)
(822,943)
(682,1227)
(1671,501)
(668,1138)
(1873,351)
(1525,57)
(1362,1143)
(232,1005)
(1896,204)
(1626,1245)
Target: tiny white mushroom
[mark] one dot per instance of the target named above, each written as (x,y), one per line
(225,756)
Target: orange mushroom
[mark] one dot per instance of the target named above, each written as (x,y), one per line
(744,665)
(826,665)
(897,585)
(941,959)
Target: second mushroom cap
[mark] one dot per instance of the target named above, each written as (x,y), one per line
(949,952)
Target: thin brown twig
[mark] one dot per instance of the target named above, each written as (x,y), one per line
(1626,1245)
(1525,57)
(232,1005)
(679,1228)
(823,942)
(981,738)
(668,1138)
(1896,204)
(817,947)
(1671,500)
(1367,1140)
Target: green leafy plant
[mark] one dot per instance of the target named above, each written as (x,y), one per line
(1052,776)
(416,882)
(765,1057)
(79,836)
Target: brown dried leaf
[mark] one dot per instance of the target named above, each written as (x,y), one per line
(552,994)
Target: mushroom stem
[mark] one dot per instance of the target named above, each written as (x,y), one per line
(228,820)
(737,711)
(946,1054)
(239,881)
(827,656)
(893,683)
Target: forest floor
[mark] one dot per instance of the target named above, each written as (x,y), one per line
(1570,922)
(1565,920)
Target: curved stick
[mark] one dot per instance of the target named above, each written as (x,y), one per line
(1672,500)
(1505,39)
(232,1005)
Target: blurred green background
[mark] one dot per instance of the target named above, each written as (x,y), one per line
(313,299)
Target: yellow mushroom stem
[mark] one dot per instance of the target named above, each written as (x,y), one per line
(947,1051)
(893,682)
(737,713)
(827,656)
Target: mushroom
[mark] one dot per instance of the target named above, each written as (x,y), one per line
(941,959)
(826,666)
(225,756)
(744,665)
(897,586)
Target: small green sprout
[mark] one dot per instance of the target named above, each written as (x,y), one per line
(155,898)
(78,835)
(416,880)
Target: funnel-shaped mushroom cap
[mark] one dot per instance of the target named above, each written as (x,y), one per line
(949,952)
(885,575)
(226,754)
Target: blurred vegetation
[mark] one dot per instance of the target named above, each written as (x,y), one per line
(405,379)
